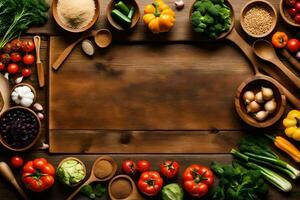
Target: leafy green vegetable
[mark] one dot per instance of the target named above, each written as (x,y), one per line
(238,183)
(172,192)
(71,172)
(17,15)
(88,191)
(211,17)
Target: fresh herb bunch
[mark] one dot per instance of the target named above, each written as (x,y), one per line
(238,183)
(17,15)
(91,193)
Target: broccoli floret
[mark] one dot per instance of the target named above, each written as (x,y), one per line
(218,28)
(213,11)
(202,6)
(207,19)
(195,19)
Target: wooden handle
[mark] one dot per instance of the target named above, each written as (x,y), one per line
(245,47)
(39,64)
(37,43)
(291,59)
(6,172)
(62,57)
(78,189)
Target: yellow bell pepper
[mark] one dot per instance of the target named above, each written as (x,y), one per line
(159,17)
(292,124)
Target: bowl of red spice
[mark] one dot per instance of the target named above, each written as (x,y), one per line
(290,12)
(258,18)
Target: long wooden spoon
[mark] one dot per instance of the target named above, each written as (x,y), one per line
(6,172)
(39,64)
(291,58)
(264,50)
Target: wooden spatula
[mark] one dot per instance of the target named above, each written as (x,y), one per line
(39,64)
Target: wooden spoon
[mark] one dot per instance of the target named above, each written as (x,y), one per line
(39,64)
(6,172)
(264,50)
(104,168)
(291,59)
(5,94)
(102,37)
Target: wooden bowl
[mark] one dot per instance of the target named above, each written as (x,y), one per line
(259,3)
(254,84)
(83,165)
(70,29)
(38,131)
(285,15)
(135,18)
(31,88)
(223,35)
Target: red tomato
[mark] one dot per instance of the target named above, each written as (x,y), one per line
(143,166)
(197,180)
(26,72)
(297,19)
(150,183)
(15,57)
(290,3)
(12,68)
(292,12)
(16,161)
(28,46)
(293,45)
(28,59)
(297,6)
(5,58)
(16,44)
(38,175)
(169,168)
(7,48)
(129,167)
(2,66)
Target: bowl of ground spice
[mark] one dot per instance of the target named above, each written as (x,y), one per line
(258,18)
(75,15)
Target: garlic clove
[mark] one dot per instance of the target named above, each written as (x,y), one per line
(179,4)
(261,115)
(38,107)
(270,106)
(253,107)
(259,97)
(6,75)
(267,93)
(248,96)
(40,116)
(19,80)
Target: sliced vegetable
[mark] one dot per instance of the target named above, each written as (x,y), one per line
(122,19)
(122,7)
(131,13)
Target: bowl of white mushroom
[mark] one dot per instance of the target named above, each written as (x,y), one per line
(259,102)
(23,94)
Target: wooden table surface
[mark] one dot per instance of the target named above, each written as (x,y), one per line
(167,71)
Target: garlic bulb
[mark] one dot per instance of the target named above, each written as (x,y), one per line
(261,115)
(267,93)
(23,96)
(253,107)
(179,4)
(270,106)
(259,97)
(248,96)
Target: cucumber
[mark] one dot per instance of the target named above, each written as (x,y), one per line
(121,6)
(131,13)
(120,18)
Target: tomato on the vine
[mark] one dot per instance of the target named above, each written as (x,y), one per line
(2,66)
(129,167)
(28,59)
(150,183)
(169,168)
(16,44)
(16,161)
(12,68)
(28,46)
(26,72)
(143,166)
(15,57)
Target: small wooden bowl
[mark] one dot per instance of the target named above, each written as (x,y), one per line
(259,3)
(135,18)
(285,15)
(67,28)
(39,133)
(84,169)
(31,88)
(254,84)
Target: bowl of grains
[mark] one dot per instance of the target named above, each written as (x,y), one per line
(258,18)
(75,15)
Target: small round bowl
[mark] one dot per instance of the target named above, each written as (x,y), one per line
(285,15)
(259,3)
(83,165)
(31,88)
(254,84)
(129,3)
(67,28)
(38,135)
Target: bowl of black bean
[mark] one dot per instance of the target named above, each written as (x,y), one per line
(20,129)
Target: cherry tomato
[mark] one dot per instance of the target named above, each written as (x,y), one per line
(26,72)
(28,59)
(7,48)
(290,3)
(2,66)
(292,12)
(293,45)
(297,6)
(28,46)
(16,161)
(297,19)
(129,167)
(5,58)
(143,166)
(169,168)
(16,44)
(12,68)
(15,57)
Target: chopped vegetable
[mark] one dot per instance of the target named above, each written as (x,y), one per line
(211,17)
(122,7)
(131,12)
(122,19)
(238,183)
(172,192)
(71,172)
